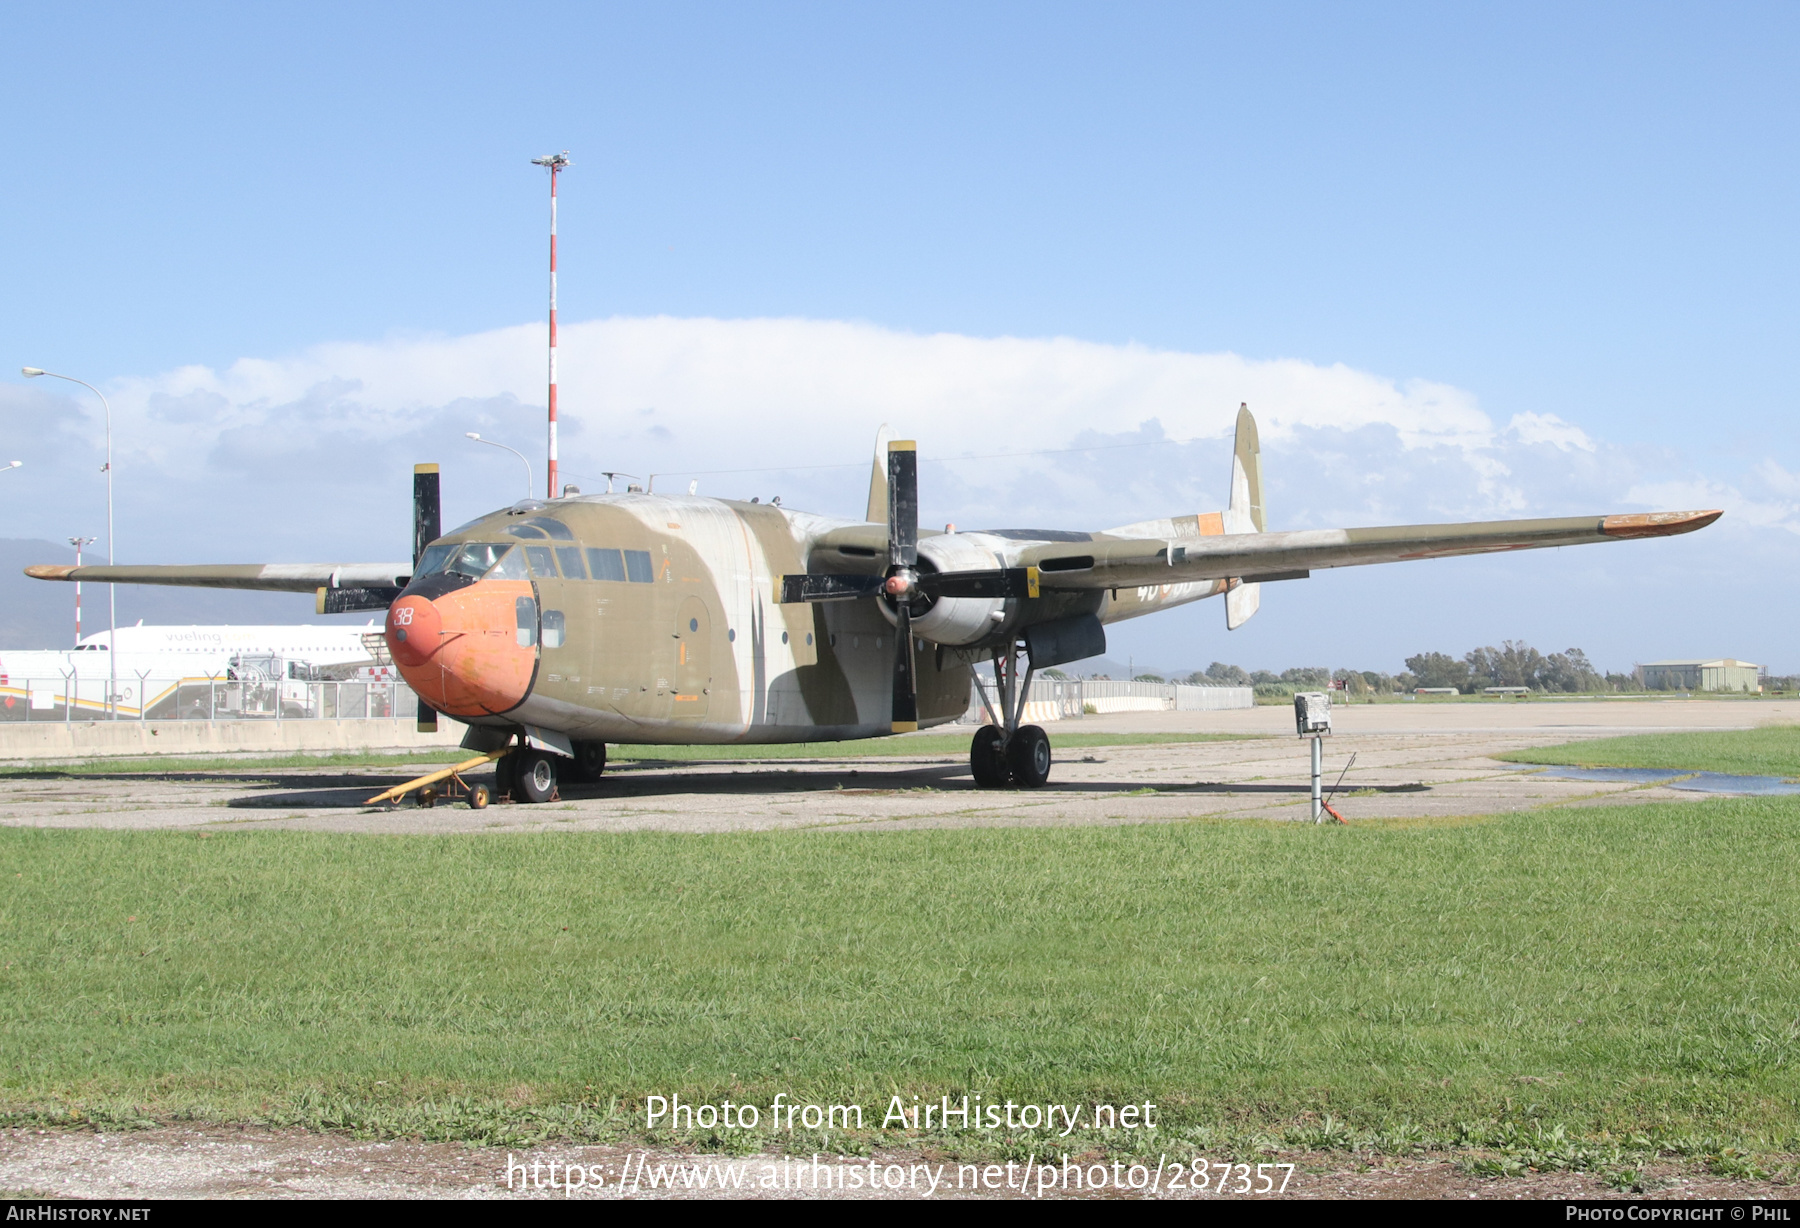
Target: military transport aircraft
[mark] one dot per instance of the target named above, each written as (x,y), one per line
(551,628)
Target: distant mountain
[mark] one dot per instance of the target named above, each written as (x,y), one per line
(41,614)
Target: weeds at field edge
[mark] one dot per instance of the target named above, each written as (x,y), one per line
(1494,1150)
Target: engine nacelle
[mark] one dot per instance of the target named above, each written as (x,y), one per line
(956,620)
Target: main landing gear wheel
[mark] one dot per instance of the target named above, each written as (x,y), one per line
(537,777)
(1028,755)
(987,761)
(590,762)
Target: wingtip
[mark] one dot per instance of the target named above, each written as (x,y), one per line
(1658,524)
(51,571)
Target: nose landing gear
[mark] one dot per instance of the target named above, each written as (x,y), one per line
(1005,753)
(530,775)
(534,778)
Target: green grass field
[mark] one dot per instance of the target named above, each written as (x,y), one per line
(1771,750)
(1585,974)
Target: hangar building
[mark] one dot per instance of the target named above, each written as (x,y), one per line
(1724,674)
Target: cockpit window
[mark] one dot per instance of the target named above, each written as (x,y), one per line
(433,560)
(475,559)
(605,564)
(543,561)
(569,558)
(510,567)
(551,528)
(525,530)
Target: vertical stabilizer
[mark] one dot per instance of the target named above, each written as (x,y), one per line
(878,494)
(1246,512)
(1244,515)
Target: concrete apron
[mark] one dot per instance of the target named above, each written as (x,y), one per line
(85,739)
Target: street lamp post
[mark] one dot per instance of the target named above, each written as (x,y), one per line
(78,543)
(495,444)
(112,599)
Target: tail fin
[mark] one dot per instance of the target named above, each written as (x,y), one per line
(878,494)
(1245,514)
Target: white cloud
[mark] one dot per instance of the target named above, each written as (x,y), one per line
(330,432)
(775,385)
(1550,429)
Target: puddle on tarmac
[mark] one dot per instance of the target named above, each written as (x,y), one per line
(1697,782)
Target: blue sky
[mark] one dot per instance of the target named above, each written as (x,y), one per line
(1578,214)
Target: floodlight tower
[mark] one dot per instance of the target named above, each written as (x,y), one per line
(554,163)
(78,543)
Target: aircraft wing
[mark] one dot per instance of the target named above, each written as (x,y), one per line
(1130,562)
(269,577)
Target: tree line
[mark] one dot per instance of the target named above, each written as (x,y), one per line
(1513,664)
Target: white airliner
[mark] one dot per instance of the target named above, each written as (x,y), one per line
(330,645)
(153,659)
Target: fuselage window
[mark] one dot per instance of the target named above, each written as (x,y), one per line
(570,558)
(605,564)
(510,567)
(543,562)
(525,615)
(553,628)
(433,560)
(637,567)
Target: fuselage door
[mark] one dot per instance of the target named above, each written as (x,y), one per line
(693,669)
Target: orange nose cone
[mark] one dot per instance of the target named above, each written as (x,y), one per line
(461,652)
(414,630)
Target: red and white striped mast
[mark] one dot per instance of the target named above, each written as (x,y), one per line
(555,163)
(78,543)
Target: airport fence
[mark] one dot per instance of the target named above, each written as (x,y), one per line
(77,697)
(1056,699)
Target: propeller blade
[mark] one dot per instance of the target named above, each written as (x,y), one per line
(352,600)
(906,699)
(426,526)
(1008,582)
(903,503)
(815,586)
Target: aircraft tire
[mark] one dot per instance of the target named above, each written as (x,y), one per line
(589,764)
(537,777)
(986,761)
(1028,755)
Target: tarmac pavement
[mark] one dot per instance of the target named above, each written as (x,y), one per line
(1424,760)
